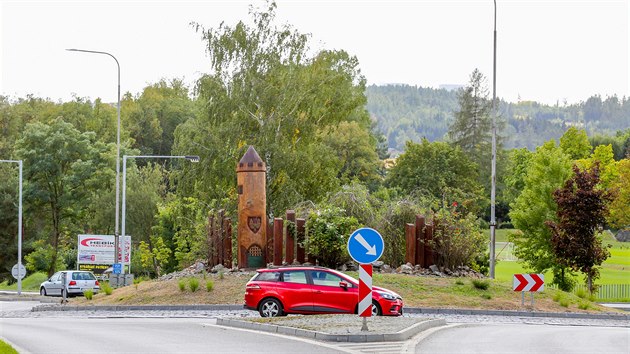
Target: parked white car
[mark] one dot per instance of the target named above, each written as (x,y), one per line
(77,281)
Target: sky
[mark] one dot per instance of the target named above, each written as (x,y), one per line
(553,52)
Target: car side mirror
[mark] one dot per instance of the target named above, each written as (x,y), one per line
(343,285)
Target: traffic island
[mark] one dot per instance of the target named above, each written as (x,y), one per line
(338,328)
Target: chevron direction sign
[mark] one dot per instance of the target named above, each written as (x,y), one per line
(365,290)
(528,282)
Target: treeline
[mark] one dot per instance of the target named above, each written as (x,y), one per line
(404,112)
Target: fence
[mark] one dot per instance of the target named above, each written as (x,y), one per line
(605,291)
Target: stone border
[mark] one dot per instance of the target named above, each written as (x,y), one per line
(415,310)
(354,338)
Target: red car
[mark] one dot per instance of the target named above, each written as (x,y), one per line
(313,290)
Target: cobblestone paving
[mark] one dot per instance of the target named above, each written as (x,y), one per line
(450,318)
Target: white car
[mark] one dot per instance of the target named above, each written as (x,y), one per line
(77,281)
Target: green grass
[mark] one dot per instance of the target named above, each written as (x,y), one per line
(501,235)
(6,349)
(29,283)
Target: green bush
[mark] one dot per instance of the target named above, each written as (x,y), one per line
(459,282)
(221,275)
(209,285)
(89,294)
(481,284)
(581,293)
(458,240)
(558,296)
(106,288)
(193,283)
(564,302)
(182,284)
(328,232)
(486,296)
(584,305)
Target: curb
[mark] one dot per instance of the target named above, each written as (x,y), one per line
(353,338)
(415,310)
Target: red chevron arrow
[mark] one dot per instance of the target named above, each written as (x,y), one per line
(537,282)
(528,282)
(522,282)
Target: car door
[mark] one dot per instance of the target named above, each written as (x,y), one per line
(330,296)
(295,291)
(54,285)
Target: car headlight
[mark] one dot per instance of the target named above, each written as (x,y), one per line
(387,296)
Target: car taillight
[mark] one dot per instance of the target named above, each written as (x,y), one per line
(253,287)
(96,283)
(72,282)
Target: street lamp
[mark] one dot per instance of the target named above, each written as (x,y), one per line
(19,263)
(493,222)
(124,191)
(116,218)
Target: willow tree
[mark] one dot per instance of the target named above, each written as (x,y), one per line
(266,89)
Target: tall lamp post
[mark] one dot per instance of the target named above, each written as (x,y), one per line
(493,222)
(117,217)
(124,191)
(19,255)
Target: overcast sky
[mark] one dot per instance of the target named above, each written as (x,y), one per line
(548,51)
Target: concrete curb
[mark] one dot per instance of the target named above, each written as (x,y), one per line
(415,310)
(353,338)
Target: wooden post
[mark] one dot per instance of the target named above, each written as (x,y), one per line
(227,242)
(269,243)
(420,241)
(278,224)
(411,241)
(428,249)
(220,235)
(299,224)
(290,245)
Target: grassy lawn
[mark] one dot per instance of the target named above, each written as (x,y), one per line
(29,283)
(6,349)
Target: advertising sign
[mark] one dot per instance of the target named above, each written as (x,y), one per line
(96,252)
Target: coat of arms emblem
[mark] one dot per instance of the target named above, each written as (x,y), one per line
(254,223)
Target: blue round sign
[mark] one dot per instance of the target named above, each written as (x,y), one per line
(365,245)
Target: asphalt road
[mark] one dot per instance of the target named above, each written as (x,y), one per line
(524,338)
(145,335)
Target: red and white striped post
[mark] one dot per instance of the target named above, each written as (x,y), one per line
(365,293)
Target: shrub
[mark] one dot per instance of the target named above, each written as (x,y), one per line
(328,231)
(486,296)
(584,305)
(481,284)
(193,283)
(564,302)
(581,293)
(221,275)
(88,294)
(457,238)
(182,284)
(557,296)
(107,289)
(459,282)
(209,285)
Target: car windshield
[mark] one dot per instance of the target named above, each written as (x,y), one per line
(83,276)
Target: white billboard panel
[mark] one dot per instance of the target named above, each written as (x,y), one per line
(99,250)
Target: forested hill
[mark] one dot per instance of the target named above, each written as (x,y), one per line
(404,112)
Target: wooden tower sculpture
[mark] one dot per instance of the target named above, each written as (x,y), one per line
(252,210)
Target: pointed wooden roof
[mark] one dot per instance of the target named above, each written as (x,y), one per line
(251,161)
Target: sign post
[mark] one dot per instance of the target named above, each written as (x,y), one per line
(365,246)
(528,282)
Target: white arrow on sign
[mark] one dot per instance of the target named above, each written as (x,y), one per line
(371,250)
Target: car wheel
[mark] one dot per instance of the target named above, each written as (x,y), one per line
(270,307)
(376,309)
(42,291)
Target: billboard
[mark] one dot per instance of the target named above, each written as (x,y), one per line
(96,252)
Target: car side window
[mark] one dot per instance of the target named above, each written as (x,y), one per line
(268,276)
(325,279)
(55,277)
(295,276)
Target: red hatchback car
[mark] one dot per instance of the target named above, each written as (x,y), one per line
(313,290)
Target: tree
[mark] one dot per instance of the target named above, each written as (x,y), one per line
(547,170)
(620,207)
(575,144)
(582,209)
(267,91)
(438,170)
(60,165)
